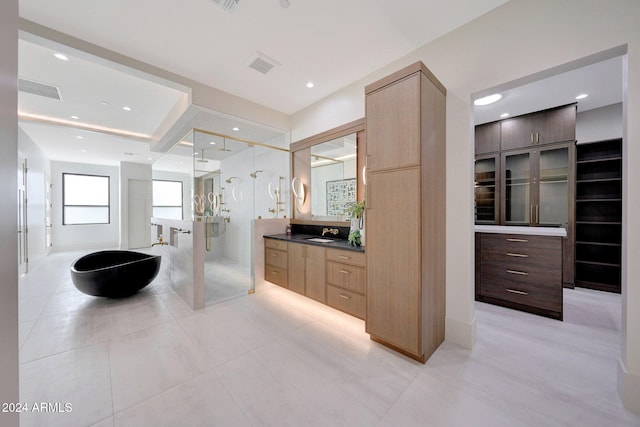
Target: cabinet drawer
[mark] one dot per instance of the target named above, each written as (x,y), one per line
(347,301)
(275,244)
(529,258)
(275,258)
(276,275)
(346,276)
(548,279)
(518,242)
(348,257)
(546,297)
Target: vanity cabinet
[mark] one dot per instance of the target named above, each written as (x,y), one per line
(539,128)
(276,262)
(307,270)
(520,271)
(405,214)
(346,281)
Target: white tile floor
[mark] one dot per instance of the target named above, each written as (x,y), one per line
(276,358)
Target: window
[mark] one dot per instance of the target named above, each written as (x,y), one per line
(167,199)
(85,199)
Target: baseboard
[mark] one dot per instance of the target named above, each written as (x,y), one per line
(460,333)
(629,388)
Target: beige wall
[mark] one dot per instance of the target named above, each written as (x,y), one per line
(8,207)
(519,41)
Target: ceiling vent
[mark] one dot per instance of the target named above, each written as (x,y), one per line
(40,89)
(262,63)
(227,5)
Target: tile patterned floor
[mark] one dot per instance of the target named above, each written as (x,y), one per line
(276,358)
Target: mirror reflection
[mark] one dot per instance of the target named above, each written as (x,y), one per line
(333,178)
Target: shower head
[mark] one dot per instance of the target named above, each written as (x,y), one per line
(228,180)
(202,159)
(255,174)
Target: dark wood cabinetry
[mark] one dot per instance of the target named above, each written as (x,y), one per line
(599,215)
(520,271)
(544,127)
(487,189)
(487,138)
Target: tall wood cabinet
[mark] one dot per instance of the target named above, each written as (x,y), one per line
(405,214)
(599,215)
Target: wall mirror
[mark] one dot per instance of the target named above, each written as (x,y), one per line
(329,169)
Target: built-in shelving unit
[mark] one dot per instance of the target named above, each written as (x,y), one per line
(486,192)
(599,215)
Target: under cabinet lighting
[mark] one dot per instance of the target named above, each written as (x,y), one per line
(486,100)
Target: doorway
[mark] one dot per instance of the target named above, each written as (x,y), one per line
(140,210)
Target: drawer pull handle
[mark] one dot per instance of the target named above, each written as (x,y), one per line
(345,272)
(345,296)
(344,257)
(517,255)
(275,273)
(274,254)
(513,291)
(521,273)
(517,240)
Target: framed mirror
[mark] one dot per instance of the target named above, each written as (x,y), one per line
(328,169)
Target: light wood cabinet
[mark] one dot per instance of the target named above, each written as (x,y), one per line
(275,262)
(346,281)
(405,215)
(520,271)
(307,270)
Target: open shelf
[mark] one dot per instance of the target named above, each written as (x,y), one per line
(599,215)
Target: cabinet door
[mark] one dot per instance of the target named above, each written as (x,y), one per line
(486,190)
(394,233)
(517,174)
(518,132)
(557,125)
(552,207)
(315,273)
(393,125)
(487,138)
(296,270)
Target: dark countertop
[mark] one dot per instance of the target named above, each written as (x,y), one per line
(302,238)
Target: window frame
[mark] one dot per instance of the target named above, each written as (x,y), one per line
(181,206)
(108,205)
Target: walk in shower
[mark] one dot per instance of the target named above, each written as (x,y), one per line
(233,182)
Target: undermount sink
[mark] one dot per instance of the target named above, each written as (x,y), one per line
(319,240)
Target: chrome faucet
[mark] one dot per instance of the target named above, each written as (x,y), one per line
(333,231)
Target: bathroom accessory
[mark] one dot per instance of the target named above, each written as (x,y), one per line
(333,231)
(114,274)
(228,180)
(254,175)
(297,188)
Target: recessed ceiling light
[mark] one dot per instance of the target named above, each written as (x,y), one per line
(486,100)
(149,158)
(75,117)
(503,115)
(212,143)
(310,85)
(79,137)
(83,151)
(104,102)
(236,129)
(582,96)
(61,56)
(126,108)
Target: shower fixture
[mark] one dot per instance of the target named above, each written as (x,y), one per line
(255,174)
(224,145)
(202,159)
(228,180)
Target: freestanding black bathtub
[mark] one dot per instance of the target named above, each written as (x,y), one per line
(114,274)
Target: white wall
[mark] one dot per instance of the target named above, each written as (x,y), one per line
(86,236)
(519,40)
(130,171)
(8,206)
(38,165)
(599,124)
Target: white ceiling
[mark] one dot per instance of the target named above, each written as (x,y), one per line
(332,43)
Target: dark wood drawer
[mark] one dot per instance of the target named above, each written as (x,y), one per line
(348,257)
(518,242)
(276,275)
(275,258)
(346,276)
(547,279)
(533,260)
(350,302)
(544,296)
(275,244)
